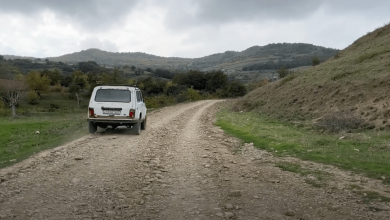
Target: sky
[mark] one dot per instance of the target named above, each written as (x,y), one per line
(181,28)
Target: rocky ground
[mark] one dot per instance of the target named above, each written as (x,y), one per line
(180,167)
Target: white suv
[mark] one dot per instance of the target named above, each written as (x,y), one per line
(116,106)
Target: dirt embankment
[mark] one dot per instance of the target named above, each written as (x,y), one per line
(181,167)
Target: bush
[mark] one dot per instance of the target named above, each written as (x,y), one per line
(283,72)
(189,95)
(193,95)
(340,121)
(32,97)
(174,89)
(53,107)
(233,89)
(4,112)
(56,88)
(315,61)
(159,101)
(2,105)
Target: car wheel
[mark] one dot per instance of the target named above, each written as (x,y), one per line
(92,127)
(143,124)
(137,127)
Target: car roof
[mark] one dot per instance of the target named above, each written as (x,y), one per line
(113,86)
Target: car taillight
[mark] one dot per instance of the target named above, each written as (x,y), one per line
(132,113)
(91,112)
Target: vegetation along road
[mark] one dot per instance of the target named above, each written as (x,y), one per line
(181,167)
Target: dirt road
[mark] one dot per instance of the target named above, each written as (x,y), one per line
(180,167)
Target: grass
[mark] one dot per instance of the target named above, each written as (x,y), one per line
(20,138)
(319,177)
(369,196)
(351,80)
(57,118)
(367,153)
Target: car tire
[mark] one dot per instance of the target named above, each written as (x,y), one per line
(137,127)
(92,127)
(143,124)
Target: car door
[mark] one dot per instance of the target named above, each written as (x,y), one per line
(140,104)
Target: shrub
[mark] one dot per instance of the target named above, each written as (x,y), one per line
(53,107)
(159,101)
(2,105)
(233,89)
(315,61)
(340,121)
(193,95)
(4,112)
(283,72)
(56,88)
(32,97)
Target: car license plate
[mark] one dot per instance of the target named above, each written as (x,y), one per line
(111,112)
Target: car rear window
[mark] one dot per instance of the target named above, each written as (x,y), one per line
(113,95)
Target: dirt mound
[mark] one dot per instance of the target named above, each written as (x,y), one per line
(354,81)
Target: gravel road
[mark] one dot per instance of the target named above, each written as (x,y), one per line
(180,167)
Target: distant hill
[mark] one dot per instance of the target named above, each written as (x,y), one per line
(351,86)
(138,59)
(254,63)
(228,60)
(260,57)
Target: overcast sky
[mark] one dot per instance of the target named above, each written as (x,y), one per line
(181,28)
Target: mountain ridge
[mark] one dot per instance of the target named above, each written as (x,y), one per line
(250,56)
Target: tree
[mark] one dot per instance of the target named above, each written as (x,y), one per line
(152,86)
(133,68)
(13,93)
(195,79)
(1,57)
(216,80)
(114,77)
(235,89)
(54,76)
(66,81)
(37,82)
(172,89)
(283,72)
(88,66)
(79,83)
(315,61)
(19,77)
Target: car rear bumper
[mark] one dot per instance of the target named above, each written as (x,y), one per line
(112,120)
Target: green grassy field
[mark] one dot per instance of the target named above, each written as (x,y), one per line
(20,139)
(367,152)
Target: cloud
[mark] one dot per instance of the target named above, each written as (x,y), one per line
(185,15)
(185,28)
(219,12)
(88,15)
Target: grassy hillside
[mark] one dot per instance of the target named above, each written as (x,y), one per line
(351,89)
